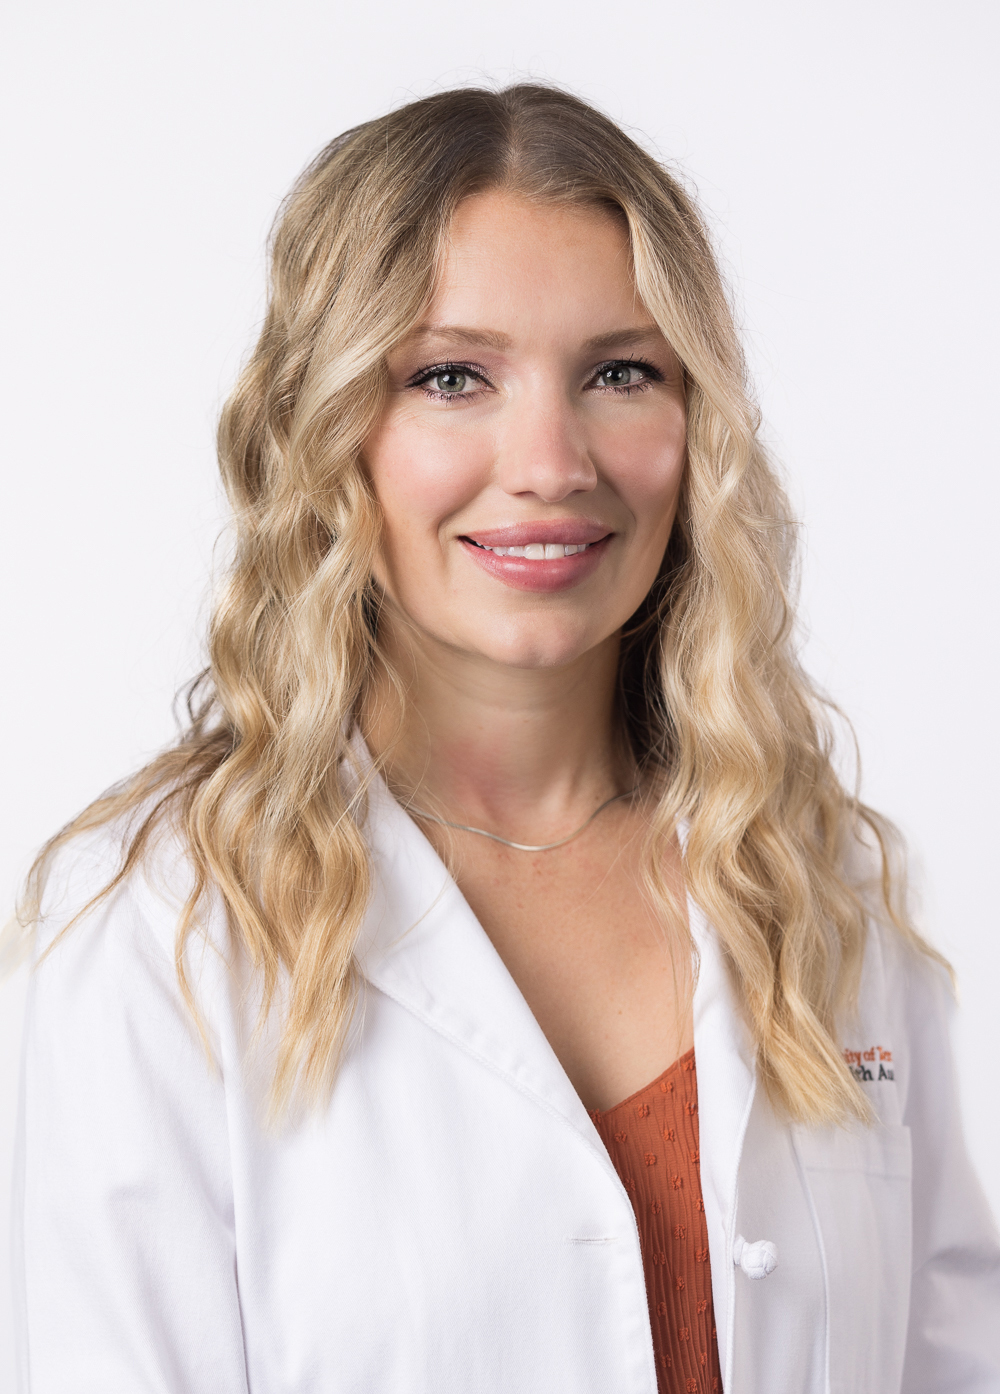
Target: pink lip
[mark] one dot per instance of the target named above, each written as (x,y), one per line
(520,574)
(568,531)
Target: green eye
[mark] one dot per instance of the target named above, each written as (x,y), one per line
(620,375)
(449,381)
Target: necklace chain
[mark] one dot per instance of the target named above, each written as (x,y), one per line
(519,846)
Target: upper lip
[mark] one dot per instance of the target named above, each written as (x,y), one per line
(568,531)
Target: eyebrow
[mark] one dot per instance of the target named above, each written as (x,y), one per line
(618,338)
(476,338)
(492,338)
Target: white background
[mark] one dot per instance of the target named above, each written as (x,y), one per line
(845,154)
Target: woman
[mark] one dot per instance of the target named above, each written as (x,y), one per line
(495,988)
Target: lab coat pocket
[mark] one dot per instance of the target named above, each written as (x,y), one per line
(858,1180)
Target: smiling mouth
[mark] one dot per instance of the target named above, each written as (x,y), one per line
(536,551)
(516,556)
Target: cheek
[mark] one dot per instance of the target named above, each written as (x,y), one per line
(647,475)
(421,477)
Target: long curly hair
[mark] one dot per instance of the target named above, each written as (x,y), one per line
(713,699)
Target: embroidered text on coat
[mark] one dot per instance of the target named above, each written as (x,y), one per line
(871,1065)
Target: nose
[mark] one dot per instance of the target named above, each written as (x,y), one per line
(543,451)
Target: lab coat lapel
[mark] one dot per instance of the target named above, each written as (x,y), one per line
(726,1085)
(422,946)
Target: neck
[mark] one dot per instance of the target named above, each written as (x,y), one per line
(525,752)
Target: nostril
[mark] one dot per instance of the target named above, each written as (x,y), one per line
(757,1260)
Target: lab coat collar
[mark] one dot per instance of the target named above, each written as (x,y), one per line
(423,947)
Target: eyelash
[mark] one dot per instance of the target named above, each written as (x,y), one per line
(652,375)
(470,370)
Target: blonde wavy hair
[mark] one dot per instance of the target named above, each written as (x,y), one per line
(713,699)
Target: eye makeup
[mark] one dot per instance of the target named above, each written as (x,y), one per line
(462,374)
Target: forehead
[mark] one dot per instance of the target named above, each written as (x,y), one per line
(519,264)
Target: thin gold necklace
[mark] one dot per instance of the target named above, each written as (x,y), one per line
(519,846)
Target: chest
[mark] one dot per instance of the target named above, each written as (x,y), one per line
(604,968)
(456,1223)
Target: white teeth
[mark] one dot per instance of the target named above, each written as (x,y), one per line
(539,551)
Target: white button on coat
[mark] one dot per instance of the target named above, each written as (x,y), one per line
(757,1260)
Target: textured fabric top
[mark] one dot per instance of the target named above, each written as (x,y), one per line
(652,1138)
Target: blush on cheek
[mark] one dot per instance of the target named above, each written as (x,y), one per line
(420,483)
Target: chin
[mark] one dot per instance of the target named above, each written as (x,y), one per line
(530,645)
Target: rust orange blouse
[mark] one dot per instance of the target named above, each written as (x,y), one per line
(652,1138)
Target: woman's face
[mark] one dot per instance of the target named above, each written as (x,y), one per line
(530,454)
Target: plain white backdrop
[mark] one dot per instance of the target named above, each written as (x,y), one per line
(846,157)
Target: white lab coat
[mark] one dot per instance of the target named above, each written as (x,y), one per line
(451,1223)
